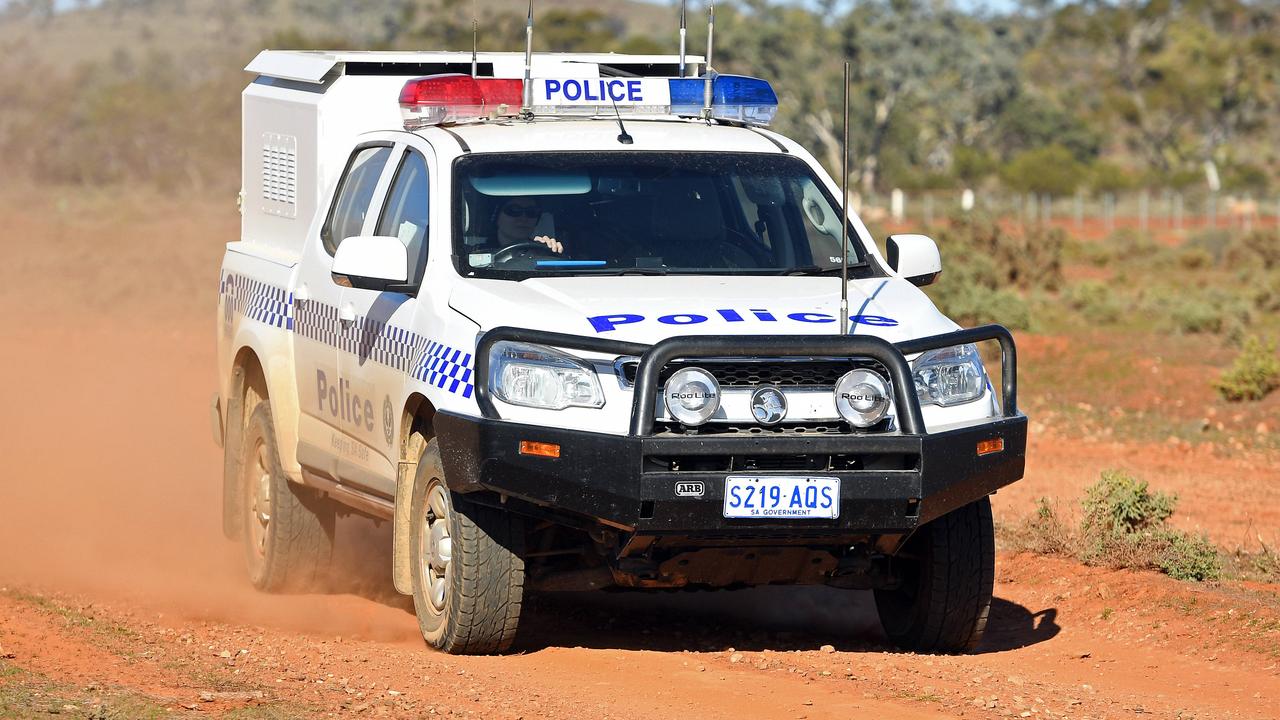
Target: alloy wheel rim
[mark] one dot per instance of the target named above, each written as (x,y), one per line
(436,548)
(258,486)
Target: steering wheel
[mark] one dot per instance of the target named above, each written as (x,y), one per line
(510,252)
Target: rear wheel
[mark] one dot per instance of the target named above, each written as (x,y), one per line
(468,569)
(948,570)
(288,529)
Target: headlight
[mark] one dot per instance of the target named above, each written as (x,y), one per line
(692,396)
(539,377)
(862,398)
(949,376)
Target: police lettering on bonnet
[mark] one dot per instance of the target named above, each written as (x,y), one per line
(710,378)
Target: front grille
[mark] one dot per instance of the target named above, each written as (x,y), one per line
(661,428)
(767,462)
(754,373)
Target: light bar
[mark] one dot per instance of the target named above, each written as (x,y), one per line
(453,98)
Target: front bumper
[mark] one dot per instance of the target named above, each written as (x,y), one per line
(889,482)
(624,481)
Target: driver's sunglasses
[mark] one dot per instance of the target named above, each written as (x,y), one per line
(529,212)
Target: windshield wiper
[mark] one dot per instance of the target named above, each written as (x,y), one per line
(816,270)
(624,271)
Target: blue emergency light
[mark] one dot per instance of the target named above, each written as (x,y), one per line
(733,97)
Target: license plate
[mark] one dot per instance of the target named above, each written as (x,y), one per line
(772,496)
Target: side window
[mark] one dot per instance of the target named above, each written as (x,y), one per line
(355,192)
(405,215)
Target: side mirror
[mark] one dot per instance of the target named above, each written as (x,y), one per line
(915,257)
(371,263)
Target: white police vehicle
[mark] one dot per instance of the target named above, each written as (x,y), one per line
(579,330)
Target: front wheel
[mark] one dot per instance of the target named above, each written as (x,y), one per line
(948,573)
(468,566)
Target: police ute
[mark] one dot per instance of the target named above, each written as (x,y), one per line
(582,321)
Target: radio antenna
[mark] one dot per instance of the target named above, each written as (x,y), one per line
(844,213)
(526,112)
(475,33)
(711,36)
(683,6)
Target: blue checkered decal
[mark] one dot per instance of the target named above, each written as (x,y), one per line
(429,361)
(257,300)
(446,368)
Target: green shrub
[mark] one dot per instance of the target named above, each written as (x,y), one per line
(1194,311)
(1120,503)
(1094,301)
(1032,258)
(1260,247)
(1183,556)
(976,304)
(1124,526)
(1049,170)
(1195,259)
(1254,374)
(1215,242)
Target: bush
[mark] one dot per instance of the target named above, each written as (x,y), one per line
(1029,259)
(1187,557)
(1049,170)
(1121,504)
(1094,301)
(1191,311)
(1195,259)
(1124,526)
(1253,375)
(1260,247)
(976,304)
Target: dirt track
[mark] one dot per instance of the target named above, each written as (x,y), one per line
(118,586)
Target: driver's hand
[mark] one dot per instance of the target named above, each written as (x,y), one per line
(552,243)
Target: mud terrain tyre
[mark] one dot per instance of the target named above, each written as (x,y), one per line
(288,529)
(468,566)
(948,571)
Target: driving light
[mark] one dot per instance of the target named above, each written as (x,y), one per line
(949,376)
(539,377)
(692,396)
(862,398)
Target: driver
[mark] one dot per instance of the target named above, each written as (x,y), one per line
(514,222)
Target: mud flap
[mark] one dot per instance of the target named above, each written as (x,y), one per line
(232,517)
(401,553)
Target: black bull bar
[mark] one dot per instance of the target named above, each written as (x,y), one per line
(654,357)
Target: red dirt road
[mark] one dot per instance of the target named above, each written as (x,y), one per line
(111,504)
(116,586)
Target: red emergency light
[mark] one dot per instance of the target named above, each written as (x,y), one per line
(453,97)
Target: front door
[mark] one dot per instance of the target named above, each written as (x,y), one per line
(384,345)
(327,414)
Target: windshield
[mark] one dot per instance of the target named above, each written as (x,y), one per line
(537,214)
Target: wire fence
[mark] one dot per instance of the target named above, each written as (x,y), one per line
(1146,211)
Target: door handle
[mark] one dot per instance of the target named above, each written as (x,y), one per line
(347,313)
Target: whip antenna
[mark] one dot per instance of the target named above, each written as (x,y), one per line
(526,112)
(711,36)
(475,32)
(844,213)
(683,6)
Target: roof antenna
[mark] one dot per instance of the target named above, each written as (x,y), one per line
(526,111)
(623,137)
(711,36)
(475,32)
(683,6)
(844,212)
